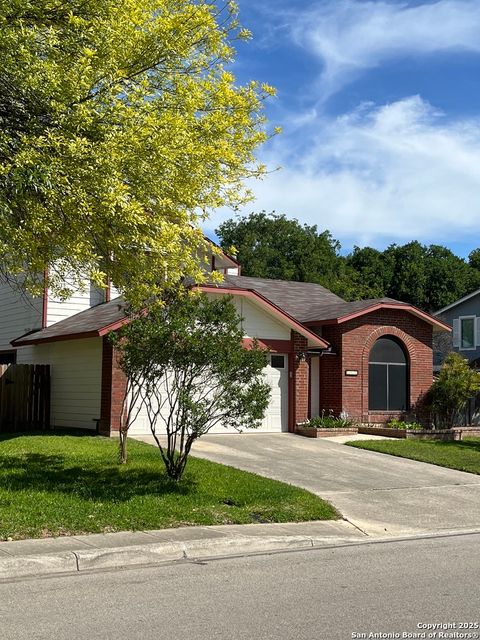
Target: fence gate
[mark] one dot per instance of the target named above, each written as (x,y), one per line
(24,397)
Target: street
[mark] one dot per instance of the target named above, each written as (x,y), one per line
(327,594)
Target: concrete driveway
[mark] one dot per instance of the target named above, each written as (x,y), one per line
(380,494)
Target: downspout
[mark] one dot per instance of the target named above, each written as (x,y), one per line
(45,299)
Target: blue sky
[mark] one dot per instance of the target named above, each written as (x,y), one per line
(379,102)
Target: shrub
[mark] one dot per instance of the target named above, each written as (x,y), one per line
(453,388)
(402,424)
(329,421)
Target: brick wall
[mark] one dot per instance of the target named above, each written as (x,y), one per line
(331,375)
(300,379)
(113,390)
(353,341)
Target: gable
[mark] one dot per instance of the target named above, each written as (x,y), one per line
(469,307)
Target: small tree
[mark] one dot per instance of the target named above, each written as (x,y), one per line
(186,365)
(454,387)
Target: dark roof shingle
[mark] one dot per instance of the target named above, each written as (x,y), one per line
(89,322)
(296,298)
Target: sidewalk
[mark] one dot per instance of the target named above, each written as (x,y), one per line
(116,550)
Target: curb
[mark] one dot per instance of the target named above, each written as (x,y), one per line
(84,559)
(154,554)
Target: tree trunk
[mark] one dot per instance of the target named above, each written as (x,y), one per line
(122,450)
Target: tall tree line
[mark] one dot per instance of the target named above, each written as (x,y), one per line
(272,246)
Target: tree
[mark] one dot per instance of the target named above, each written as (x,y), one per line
(186,362)
(272,246)
(409,279)
(448,278)
(119,129)
(373,271)
(456,384)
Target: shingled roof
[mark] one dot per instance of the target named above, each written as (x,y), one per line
(312,304)
(296,298)
(304,302)
(90,323)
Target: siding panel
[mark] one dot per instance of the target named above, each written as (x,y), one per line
(18,315)
(76,375)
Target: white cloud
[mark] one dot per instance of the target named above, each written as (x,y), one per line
(351,36)
(378,175)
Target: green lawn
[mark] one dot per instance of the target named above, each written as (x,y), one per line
(463,455)
(62,485)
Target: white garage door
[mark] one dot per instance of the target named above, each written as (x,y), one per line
(276,416)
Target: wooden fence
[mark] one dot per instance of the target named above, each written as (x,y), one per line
(24,397)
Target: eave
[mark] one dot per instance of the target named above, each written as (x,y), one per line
(435,322)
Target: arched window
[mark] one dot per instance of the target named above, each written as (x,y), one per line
(387,376)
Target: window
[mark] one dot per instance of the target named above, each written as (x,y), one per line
(8,357)
(387,376)
(277,362)
(467,333)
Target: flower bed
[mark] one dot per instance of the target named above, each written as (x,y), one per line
(435,434)
(324,432)
(386,432)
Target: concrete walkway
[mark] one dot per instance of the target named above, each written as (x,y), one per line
(380,494)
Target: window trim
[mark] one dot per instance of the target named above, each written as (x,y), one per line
(460,319)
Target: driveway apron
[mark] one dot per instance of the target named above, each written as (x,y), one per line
(378,493)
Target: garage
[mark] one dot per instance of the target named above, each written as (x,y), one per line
(276,417)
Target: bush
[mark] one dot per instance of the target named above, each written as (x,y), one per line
(328,421)
(453,388)
(402,424)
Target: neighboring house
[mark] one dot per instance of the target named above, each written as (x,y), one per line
(463,316)
(370,359)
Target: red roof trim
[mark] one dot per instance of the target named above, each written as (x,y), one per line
(113,326)
(384,305)
(251,293)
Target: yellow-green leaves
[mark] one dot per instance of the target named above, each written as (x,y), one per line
(119,129)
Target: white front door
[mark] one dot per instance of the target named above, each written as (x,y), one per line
(276,374)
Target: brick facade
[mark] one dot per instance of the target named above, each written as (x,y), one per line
(300,380)
(352,342)
(114,385)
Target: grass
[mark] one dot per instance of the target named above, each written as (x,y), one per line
(64,485)
(463,455)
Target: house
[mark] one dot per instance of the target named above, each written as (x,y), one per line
(370,359)
(463,316)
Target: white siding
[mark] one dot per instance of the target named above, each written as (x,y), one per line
(258,322)
(114,292)
(79,301)
(76,379)
(19,314)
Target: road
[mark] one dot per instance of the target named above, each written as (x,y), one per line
(324,594)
